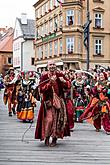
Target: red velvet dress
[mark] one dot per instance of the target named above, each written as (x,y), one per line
(98,109)
(70,108)
(59,126)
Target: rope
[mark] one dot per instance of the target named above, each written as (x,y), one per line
(26,132)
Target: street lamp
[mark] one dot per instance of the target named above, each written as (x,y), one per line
(88,38)
(86,28)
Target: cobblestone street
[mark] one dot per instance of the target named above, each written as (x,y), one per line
(85,146)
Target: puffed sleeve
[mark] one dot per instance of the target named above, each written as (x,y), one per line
(45,84)
(67,83)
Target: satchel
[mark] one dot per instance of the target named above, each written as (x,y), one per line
(56,100)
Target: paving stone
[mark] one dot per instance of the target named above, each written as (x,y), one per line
(84,147)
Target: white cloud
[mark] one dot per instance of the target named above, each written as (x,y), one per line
(10,9)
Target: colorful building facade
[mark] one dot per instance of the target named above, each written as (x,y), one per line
(59,33)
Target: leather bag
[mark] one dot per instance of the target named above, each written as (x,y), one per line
(56,100)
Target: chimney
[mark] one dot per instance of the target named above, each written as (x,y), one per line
(24,18)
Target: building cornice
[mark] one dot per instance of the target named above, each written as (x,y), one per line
(99,9)
(72,3)
(5,51)
(63,4)
(38,3)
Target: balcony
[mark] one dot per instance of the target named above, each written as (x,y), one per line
(98,1)
(98,28)
(98,55)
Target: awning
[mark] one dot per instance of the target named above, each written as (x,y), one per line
(45,65)
(41,65)
(59,63)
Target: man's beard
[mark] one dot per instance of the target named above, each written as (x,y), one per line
(52,69)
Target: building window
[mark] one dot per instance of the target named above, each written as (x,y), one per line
(55,23)
(46,7)
(46,50)
(38,13)
(60,46)
(42,10)
(50,49)
(16,61)
(60,21)
(32,61)
(79,17)
(69,17)
(70,45)
(51,26)
(46,26)
(39,31)
(9,60)
(56,47)
(40,52)
(98,20)
(79,45)
(51,4)
(55,3)
(98,47)
(42,30)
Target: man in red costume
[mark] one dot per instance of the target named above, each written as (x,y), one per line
(9,88)
(52,118)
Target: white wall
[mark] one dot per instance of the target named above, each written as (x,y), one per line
(23,50)
(17,53)
(28,53)
(17,45)
(17,31)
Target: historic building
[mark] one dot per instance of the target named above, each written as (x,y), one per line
(23,43)
(59,33)
(100,32)
(6,49)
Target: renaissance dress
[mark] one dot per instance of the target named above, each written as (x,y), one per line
(9,88)
(52,121)
(78,97)
(99,107)
(70,108)
(26,102)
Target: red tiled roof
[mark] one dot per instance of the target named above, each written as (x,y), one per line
(6,41)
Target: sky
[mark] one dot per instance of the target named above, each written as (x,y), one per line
(10,9)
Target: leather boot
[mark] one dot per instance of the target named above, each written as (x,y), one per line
(13,109)
(47,141)
(10,114)
(54,142)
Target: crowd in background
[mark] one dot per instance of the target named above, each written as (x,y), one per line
(86,95)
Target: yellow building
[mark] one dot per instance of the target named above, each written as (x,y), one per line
(59,33)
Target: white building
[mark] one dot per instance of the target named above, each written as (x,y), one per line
(23,44)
